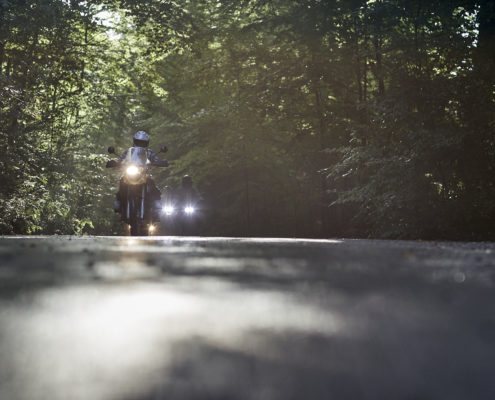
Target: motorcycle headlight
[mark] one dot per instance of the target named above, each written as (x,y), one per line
(132,170)
(189,210)
(168,210)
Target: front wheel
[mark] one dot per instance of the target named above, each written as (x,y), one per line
(138,229)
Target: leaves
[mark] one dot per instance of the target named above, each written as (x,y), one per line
(301,118)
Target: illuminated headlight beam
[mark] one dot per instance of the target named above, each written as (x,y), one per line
(168,210)
(132,170)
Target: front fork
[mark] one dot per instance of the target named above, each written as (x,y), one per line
(140,214)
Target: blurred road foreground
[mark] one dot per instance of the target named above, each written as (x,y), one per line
(112,318)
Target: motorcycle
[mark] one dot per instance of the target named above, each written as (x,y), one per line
(187,216)
(139,197)
(180,215)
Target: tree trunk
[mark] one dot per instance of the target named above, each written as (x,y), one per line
(365,61)
(2,56)
(358,61)
(244,160)
(322,138)
(484,57)
(379,67)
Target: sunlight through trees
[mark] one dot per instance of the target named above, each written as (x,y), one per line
(310,118)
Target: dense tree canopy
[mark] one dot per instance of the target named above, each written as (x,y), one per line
(294,117)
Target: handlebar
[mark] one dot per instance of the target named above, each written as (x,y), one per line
(116,164)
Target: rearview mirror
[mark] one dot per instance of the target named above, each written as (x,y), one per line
(163,149)
(111,150)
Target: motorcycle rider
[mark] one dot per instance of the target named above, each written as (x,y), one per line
(141,139)
(186,194)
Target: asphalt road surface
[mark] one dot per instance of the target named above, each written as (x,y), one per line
(106,318)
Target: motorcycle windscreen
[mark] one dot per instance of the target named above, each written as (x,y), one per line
(137,156)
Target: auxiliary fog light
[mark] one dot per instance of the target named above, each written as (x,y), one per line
(168,210)
(189,210)
(151,228)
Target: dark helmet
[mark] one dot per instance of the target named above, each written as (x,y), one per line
(187,181)
(141,139)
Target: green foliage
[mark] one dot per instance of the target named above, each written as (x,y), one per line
(295,118)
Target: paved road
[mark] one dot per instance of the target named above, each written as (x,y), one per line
(212,318)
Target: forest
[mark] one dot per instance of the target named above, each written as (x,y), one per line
(295,118)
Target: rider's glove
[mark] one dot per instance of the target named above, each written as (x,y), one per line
(161,163)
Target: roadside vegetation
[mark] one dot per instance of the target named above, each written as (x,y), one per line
(312,118)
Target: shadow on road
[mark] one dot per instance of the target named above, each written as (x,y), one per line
(167,318)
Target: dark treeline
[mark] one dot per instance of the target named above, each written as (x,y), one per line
(294,117)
